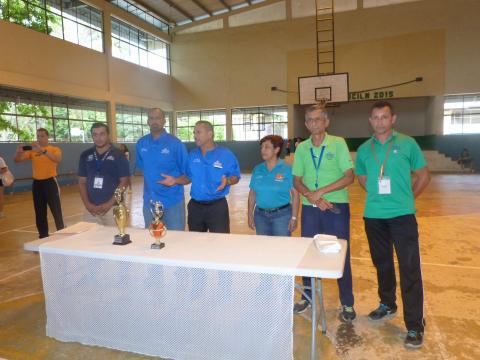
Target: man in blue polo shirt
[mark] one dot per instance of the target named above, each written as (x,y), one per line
(101,170)
(212,170)
(163,159)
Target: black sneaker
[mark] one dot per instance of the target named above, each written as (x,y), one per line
(414,339)
(382,311)
(301,306)
(348,313)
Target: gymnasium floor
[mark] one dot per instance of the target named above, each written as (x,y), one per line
(449,220)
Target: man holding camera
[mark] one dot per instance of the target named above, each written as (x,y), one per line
(45,159)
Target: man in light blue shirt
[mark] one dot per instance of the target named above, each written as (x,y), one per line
(212,170)
(163,159)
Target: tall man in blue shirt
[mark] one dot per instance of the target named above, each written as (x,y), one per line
(163,159)
(212,170)
(101,169)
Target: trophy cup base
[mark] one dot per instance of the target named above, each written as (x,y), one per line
(157,246)
(121,239)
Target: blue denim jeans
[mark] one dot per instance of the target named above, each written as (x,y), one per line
(273,223)
(173,217)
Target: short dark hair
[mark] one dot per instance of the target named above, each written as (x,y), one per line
(162,113)
(44,130)
(99,125)
(381,104)
(277,142)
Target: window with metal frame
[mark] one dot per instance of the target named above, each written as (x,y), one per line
(66,119)
(70,20)
(461,114)
(253,123)
(131,122)
(186,123)
(139,47)
(135,9)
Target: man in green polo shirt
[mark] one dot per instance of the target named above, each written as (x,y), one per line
(384,165)
(322,170)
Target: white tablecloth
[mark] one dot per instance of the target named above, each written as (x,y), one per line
(204,296)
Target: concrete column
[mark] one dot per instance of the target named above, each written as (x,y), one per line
(107,49)
(229,131)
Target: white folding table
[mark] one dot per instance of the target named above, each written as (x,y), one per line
(203,296)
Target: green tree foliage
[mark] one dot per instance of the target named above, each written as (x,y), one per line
(31,14)
(6,125)
(29,117)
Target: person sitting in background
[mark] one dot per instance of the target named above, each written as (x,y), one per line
(271,190)
(465,160)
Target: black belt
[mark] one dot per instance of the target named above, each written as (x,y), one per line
(211,202)
(48,179)
(273,210)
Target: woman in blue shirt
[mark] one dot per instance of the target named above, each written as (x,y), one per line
(271,190)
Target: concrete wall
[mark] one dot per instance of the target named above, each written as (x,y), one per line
(377,46)
(351,120)
(39,62)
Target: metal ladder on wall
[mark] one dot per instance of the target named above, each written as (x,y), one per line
(325,37)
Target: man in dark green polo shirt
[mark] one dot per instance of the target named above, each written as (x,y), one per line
(384,165)
(322,170)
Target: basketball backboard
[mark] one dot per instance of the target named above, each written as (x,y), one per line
(332,88)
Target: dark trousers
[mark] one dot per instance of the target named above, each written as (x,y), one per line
(210,216)
(46,192)
(402,233)
(316,221)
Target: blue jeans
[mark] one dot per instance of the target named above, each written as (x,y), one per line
(316,221)
(273,223)
(173,217)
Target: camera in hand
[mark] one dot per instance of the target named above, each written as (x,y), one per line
(27,147)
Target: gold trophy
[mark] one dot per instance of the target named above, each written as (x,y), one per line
(120,214)
(157,228)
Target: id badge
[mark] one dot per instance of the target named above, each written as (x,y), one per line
(384,187)
(98,182)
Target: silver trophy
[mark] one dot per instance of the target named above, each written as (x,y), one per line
(157,227)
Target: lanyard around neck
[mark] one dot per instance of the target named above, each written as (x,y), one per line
(384,164)
(317,165)
(99,162)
